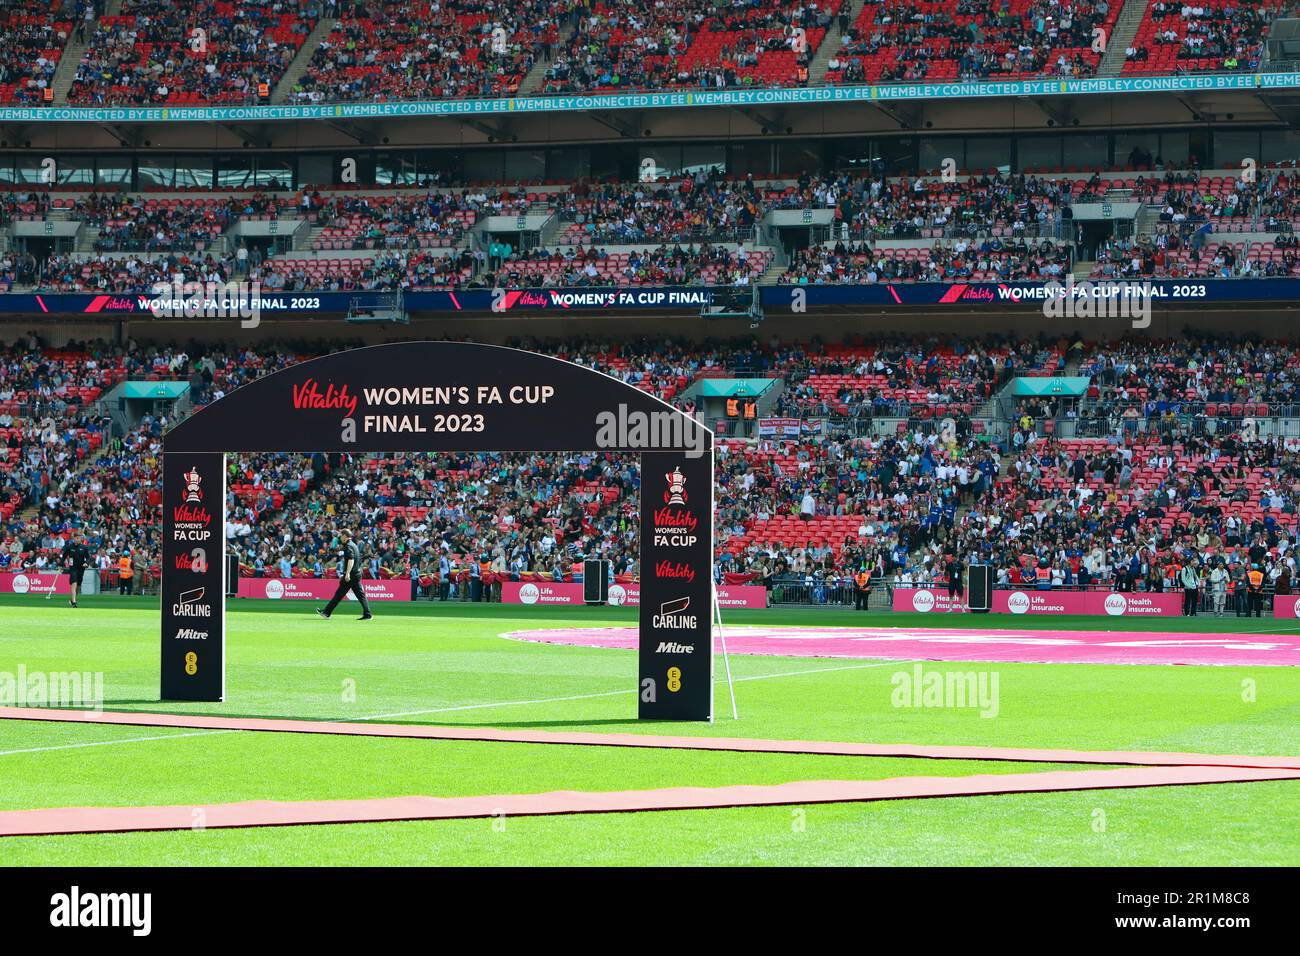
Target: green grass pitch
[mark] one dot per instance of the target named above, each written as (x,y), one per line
(447,664)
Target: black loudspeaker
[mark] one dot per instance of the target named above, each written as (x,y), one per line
(232,575)
(979,588)
(595,581)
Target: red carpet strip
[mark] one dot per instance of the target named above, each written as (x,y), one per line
(577,738)
(263,813)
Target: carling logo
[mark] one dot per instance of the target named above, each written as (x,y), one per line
(190,604)
(672,616)
(74,909)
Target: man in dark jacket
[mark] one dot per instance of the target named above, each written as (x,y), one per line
(76,556)
(349,580)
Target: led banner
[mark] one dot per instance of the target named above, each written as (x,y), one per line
(247,308)
(677,99)
(676,594)
(248,305)
(1084,299)
(193,579)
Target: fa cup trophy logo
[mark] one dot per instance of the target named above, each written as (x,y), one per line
(192,481)
(675,495)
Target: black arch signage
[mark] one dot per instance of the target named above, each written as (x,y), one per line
(444,397)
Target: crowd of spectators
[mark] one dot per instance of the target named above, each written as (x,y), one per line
(211,51)
(34,40)
(988,260)
(237,51)
(1162,488)
(952,40)
(381,50)
(1222,36)
(689,43)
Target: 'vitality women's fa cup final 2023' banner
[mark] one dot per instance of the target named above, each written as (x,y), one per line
(445,397)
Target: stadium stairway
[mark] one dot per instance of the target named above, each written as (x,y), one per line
(72,55)
(533,80)
(1126,27)
(324,26)
(831,45)
(775,269)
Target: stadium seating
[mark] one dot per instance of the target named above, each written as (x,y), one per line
(209,52)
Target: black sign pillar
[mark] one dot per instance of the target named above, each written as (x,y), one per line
(676,646)
(194,576)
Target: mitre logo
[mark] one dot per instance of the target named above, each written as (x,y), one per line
(676,493)
(192,481)
(673,647)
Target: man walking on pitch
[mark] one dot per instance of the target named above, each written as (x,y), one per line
(75,556)
(349,580)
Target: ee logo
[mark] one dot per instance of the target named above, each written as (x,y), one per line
(191,663)
(674,679)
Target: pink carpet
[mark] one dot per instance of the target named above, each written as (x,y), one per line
(969,644)
(258,813)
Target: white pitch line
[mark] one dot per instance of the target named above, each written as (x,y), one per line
(614,693)
(444,710)
(120,740)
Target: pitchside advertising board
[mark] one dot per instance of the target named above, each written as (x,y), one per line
(1034,602)
(676,611)
(34,582)
(193,582)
